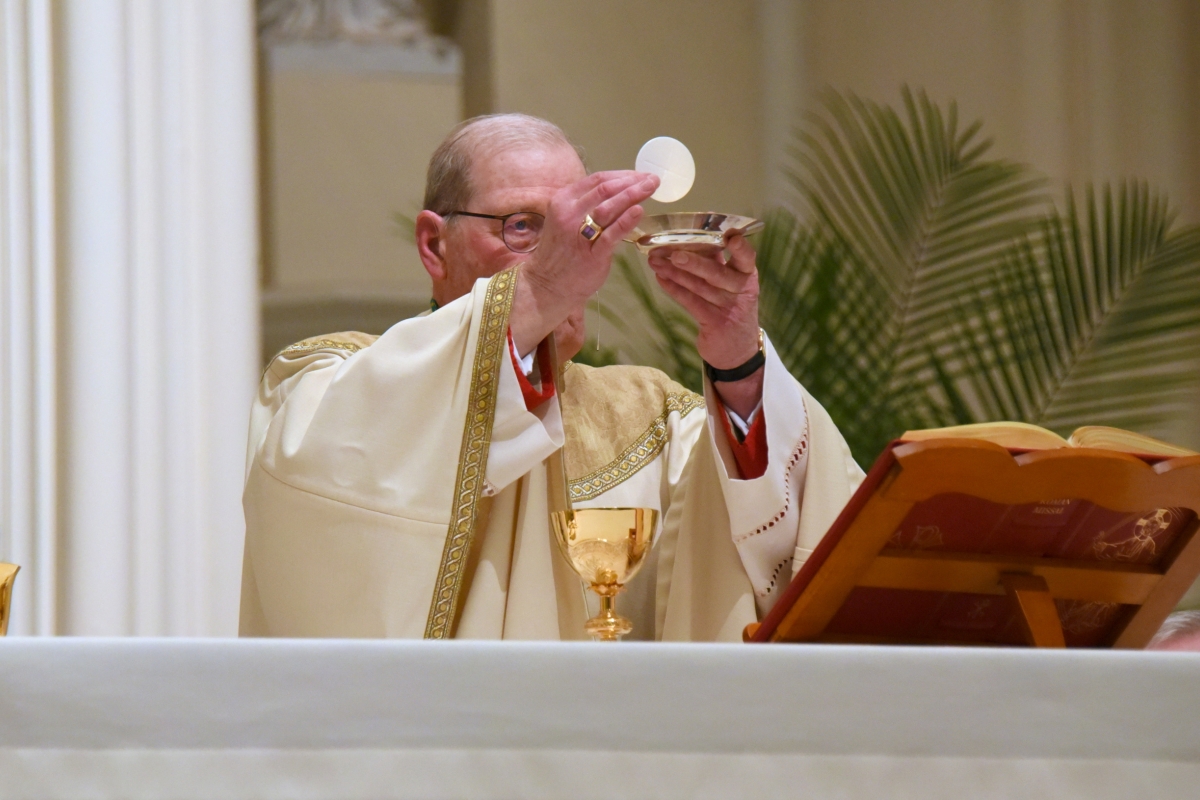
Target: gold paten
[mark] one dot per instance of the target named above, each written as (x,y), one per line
(8,573)
(691,229)
(606,547)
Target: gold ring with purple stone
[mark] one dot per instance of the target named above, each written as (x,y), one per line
(590,230)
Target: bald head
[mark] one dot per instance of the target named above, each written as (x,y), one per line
(448,184)
(495,165)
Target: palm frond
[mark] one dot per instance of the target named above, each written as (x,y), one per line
(915,209)
(918,202)
(1095,320)
(831,325)
(673,331)
(926,284)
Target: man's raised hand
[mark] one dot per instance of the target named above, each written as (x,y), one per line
(567,268)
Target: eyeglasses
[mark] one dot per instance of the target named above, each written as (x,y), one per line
(520,230)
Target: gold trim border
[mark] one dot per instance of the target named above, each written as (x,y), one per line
(303,348)
(637,455)
(472,459)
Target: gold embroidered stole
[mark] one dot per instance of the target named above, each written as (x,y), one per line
(615,421)
(472,461)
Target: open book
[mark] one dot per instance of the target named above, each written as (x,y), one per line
(1023,436)
(1003,534)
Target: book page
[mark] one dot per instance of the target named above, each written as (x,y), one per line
(1016,435)
(1105,438)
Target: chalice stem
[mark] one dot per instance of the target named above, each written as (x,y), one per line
(608,625)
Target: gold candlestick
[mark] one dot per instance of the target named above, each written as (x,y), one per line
(8,572)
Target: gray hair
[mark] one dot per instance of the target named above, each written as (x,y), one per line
(1179,624)
(448,182)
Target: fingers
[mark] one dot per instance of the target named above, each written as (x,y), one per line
(700,309)
(741,254)
(710,266)
(600,186)
(694,283)
(632,195)
(592,181)
(621,227)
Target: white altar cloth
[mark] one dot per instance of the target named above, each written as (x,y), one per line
(389,719)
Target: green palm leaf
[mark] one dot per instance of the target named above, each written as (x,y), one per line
(666,324)
(1093,321)
(918,212)
(922,208)
(926,284)
(832,325)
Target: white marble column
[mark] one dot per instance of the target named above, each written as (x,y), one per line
(154,281)
(28,336)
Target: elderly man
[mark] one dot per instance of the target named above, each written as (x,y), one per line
(397,486)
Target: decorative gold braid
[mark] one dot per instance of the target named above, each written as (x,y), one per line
(311,346)
(472,459)
(344,342)
(637,455)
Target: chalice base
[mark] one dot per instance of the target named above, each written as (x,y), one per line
(608,625)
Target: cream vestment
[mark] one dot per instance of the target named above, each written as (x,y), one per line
(396,487)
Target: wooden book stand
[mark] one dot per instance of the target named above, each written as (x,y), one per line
(993,571)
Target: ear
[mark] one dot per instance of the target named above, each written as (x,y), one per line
(431,245)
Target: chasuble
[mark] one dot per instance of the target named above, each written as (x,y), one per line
(397,487)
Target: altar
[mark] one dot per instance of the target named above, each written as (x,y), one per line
(398,719)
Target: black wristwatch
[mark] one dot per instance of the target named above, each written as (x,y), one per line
(745,370)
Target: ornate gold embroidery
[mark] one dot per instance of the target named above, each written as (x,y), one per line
(637,455)
(349,342)
(472,459)
(683,403)
(311,346)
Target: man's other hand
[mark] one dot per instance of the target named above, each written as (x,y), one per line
(721,292)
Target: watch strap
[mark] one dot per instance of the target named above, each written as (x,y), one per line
(743,370)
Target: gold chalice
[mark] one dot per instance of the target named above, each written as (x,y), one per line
(606,547)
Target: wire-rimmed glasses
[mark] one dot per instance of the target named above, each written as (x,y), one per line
(520,230)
